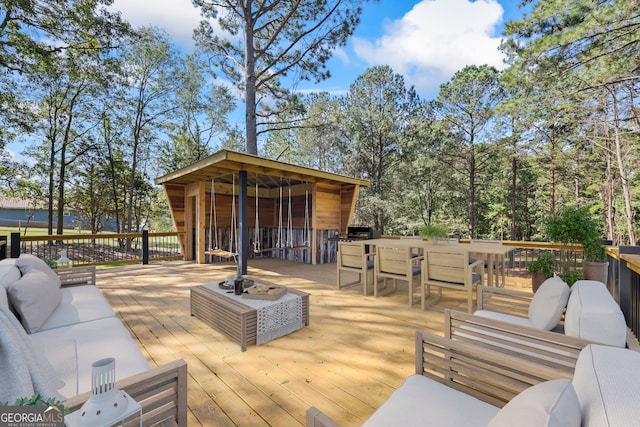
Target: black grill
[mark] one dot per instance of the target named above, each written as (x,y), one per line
(362,233)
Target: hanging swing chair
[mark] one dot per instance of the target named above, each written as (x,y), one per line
(280,243)
(214,248)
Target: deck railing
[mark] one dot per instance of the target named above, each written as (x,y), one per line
(99,249)
(108,249)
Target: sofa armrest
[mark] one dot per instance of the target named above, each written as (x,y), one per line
(536,345)
(504,300)
(315,418)
(492,376)
(161,391)
(74,276)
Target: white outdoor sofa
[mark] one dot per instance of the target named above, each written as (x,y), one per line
(459,383)
(61,315)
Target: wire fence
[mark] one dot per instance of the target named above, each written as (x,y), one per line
(98,249)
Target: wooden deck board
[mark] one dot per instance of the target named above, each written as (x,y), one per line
(350,358)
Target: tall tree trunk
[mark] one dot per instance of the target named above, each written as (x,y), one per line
(472,192)
(624,178)
(61,180)
(137,135)
(608,185)
(51,188)
(552,171)
(113,182)
(63,162)
(514,183)
(250,85)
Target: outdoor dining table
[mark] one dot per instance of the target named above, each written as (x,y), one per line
(492,251)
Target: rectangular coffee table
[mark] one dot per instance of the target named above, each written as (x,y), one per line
(228,314)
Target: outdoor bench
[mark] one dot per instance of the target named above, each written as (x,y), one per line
(56,323)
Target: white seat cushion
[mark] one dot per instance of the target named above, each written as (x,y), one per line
(607,382)
(510,318)
(548,404)
(96,340)
(548,303)
(420,401)
(594,315)
(78,304)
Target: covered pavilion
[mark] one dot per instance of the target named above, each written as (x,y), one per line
(232,204)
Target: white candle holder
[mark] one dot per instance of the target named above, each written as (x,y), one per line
(107,405)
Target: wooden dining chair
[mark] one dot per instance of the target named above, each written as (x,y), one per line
(396,264)
(355,257)
(499,266)
(449,268)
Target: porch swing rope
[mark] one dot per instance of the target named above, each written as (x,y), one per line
(213,218)
(307,225)
(280,244)
(289,219)
(256,240)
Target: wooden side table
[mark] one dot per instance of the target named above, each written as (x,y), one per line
(230,316)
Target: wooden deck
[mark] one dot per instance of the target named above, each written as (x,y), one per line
(350,358)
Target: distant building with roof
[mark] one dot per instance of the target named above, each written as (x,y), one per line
(16,212)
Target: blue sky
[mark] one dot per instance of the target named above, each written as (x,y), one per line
(426,41)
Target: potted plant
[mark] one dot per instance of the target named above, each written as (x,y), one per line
(571,227)
(541,269)
(594,264)
(571,276)
(434,232)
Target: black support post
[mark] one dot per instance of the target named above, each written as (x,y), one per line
(15,245)
(243,224)
(145,247)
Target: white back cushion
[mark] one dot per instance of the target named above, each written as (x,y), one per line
(593,314)
(4,300)
(35,296)
(607,382)
(28,262)
(547,305)
(548,404)
(9,273)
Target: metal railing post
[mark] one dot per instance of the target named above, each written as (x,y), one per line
(145,247)
(628,289)
(15,245)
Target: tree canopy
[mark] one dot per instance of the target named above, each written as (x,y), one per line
(494,154)
(265,42)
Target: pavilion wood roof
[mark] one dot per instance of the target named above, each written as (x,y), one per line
(270,174)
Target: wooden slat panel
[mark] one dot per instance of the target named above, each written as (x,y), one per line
(73,276)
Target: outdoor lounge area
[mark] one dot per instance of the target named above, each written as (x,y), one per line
(352,357)
(354,353)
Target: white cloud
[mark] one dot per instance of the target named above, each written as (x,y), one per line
(177,17)
(435,39)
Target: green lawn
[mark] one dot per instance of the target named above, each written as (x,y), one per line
(36,231)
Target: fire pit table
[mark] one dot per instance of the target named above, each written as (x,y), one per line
(249,321)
